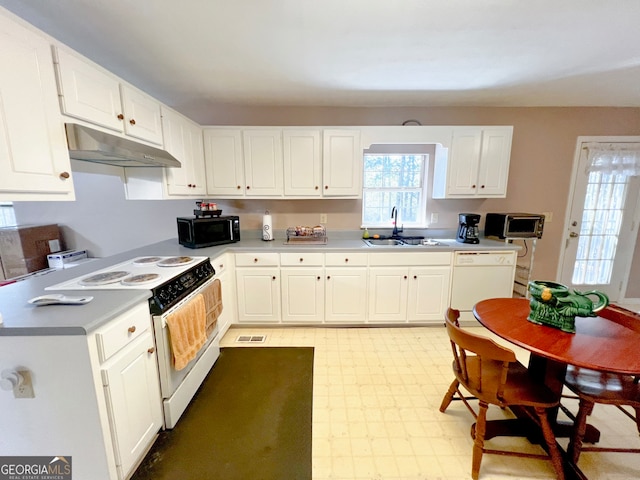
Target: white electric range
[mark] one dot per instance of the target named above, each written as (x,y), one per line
(173,281)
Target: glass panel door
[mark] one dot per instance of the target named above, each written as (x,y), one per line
(601,230)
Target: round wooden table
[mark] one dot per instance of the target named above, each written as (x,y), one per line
(608,342)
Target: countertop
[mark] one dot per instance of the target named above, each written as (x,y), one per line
(21,318)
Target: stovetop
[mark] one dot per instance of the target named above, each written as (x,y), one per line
(145,273)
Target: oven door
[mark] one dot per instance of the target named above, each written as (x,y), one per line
(179,386)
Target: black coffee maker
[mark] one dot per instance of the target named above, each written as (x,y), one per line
(468,228)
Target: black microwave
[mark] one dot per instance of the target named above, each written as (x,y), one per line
(513,225)
(199,232)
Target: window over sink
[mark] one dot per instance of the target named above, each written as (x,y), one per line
(394,180)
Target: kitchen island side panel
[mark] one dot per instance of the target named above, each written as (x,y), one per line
(63,418)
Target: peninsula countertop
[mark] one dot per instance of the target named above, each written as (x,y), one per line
(21,318)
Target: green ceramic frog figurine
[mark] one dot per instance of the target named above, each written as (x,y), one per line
(552,304)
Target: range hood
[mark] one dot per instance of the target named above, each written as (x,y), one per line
(95,146)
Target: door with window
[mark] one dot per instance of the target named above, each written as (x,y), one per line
(602,222)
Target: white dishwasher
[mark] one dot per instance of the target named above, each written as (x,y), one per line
(478,275)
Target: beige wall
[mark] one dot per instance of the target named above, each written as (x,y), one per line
(544,142)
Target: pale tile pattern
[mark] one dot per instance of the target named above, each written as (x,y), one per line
(376,394)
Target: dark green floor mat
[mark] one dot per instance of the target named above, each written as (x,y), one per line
(251,419)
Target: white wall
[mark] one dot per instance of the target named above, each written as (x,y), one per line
(101,220)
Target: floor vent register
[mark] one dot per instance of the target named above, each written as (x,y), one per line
(251,339)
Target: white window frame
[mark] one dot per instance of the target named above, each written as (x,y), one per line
(421,221)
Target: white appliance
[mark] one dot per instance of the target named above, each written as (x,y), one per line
(173,281)
(478,275)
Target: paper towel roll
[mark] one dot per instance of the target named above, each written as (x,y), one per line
(267,227)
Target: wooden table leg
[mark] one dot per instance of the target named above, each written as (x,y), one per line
(552,373)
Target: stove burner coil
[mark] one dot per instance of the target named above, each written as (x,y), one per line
(104,278)
(175,261)
(140,279)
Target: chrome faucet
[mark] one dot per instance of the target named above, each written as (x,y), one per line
(394,215)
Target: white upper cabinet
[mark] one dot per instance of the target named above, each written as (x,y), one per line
(283,162)
(89,93)
(142,117)
(302,163)
(477,165)
(223,162)
(183,140)
(341,163)
(263,168)
(34,158)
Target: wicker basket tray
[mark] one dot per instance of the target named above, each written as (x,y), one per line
(307,235)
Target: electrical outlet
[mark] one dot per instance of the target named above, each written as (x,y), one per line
(548,217)
(25,388)
(434,218)
(323,218)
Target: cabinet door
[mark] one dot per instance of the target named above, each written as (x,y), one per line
(263,162)
(228,286)
(183,140)
(258,294)
(224,164)
(464,159)
(495,155)
(428,295)
(341,163)
(302,163)
(302,294)
(142,117)
(194,146)
(34,158)
(133,397)
(388,287)
(345,294)
(88,93)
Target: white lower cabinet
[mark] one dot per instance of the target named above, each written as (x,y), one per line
(343,287)
(333,293)
(346,288)
(258,287)
(131,387)
(129,373)
(399,293)
(388,287)
(428,295)
(302,284)
(224,267)
(302,294)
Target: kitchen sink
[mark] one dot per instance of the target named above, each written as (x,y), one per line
(385,242)
(405,242)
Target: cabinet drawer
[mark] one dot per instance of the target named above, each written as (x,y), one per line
(257,259)
(346,259)
(123,330)
(410,259)
(302,259)
(221,263)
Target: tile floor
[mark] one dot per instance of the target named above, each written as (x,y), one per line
(376,396)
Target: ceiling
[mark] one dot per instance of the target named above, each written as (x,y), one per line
(358,52)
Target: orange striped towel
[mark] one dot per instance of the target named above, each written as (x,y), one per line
(187,331)
(212,304)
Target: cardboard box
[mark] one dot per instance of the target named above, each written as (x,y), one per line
(62,259)
(24,248)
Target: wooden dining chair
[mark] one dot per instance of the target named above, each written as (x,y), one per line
(492,374)
(593,387)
